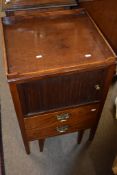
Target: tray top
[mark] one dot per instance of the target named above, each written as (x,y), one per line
(14,5)
(53,41)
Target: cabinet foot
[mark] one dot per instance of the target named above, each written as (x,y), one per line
(41,144)
(27,148)
(92,133)
(80,136)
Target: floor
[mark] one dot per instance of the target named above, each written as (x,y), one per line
(62,155)
(2,169)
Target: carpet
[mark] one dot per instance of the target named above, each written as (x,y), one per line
(2,168)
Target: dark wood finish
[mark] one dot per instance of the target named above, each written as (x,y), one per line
(41,144)
(92,133)
(36,134)
(37,97)
(111,71)
(76,115)
(61,65)
(24,4)
(80,136)
(43,126)
(104,13)
(56,34)
(18,110)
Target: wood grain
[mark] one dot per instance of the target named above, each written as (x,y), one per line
(14,4)
(63,91)
(55,62)
(46,125)
(16,101)
(53,36)
(75,115)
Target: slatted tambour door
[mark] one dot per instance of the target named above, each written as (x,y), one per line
(61,91)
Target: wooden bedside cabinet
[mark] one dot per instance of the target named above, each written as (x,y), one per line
(59,68)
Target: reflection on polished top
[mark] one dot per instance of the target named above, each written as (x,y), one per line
(53,40)
(17,4)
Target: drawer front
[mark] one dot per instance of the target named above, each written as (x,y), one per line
(61,122)
(61,91)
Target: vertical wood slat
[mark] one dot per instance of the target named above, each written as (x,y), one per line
(61,91)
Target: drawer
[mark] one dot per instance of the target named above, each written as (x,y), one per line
(61,122)
(58,92)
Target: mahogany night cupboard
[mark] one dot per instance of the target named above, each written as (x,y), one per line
(59,68)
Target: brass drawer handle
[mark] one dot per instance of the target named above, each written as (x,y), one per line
(97,87)
(62,129)
(63,117)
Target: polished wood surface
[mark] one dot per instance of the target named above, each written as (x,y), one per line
(50,41)
(17,105)
(46,125)
(59,68)
(104,13)
(14,4)
(36,134)
(76,115)
(61,91)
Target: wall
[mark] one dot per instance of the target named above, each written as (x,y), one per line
(104,13)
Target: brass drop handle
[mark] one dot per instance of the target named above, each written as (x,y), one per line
(63,117)
(7,1)
(97,87)
(62,129)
